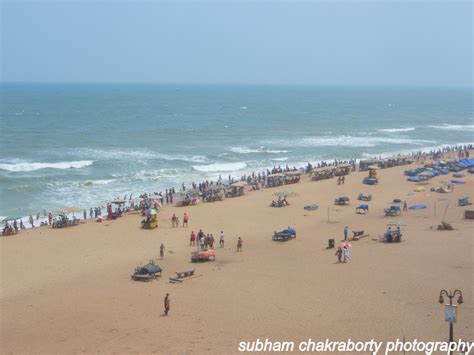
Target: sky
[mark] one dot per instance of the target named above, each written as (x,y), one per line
(338,42)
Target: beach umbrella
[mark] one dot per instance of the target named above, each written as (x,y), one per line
(347,244)
(373,167)
(152,212)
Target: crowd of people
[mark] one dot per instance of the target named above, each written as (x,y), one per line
(210,190)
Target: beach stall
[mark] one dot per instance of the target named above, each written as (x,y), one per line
(214,193)
(322,173)
(236,189)
(187,198)
(275,180)
(151,220)
(292,177)
(343,169)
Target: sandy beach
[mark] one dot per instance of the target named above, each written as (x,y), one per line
(69,290)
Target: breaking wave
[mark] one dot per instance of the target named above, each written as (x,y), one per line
(220,167)
(454,127)
(246,150)
(394,130)
(21,167)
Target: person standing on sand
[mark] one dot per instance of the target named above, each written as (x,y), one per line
(405,206)
(192,240)
(85,214)
(346,254)
(240,242)
(32,222)
(221,240)
(185,219)
(339,254)
(346,231)
(162,251)
(167,303)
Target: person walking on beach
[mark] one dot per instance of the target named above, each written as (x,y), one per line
(173,220)
(85,214)
(162,251)
(185,219)
(221,240)
(346,254)
(346,231)
(192,240)
(240,242)
(32,222)
(167,302)
(339,254)
(405,206)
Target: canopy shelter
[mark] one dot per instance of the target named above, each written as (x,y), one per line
(239,184)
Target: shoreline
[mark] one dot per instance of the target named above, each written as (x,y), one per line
(43,218)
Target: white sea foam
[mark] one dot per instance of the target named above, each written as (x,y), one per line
(220,167)
(349,141)
(454,127)
(23,167)
(137,155)
(394,130)
(280,159)
(246,150)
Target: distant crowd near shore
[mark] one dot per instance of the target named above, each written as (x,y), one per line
(209,189)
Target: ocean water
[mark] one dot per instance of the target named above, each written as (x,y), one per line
(82,145)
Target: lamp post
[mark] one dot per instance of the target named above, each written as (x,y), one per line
(452,318)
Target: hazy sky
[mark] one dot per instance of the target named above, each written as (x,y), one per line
(308,42)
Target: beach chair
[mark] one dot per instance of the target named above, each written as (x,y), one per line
(341,201)
(185,273)
(362,209)
(147,273)
(363,197)
(464,201)
(393,211)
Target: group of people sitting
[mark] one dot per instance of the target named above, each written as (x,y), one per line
(282,202)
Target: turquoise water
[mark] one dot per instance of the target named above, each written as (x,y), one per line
(81,145)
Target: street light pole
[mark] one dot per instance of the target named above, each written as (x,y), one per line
(450,295)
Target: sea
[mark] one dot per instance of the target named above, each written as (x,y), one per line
(81,145)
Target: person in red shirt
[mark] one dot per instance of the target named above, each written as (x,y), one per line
(192,240)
